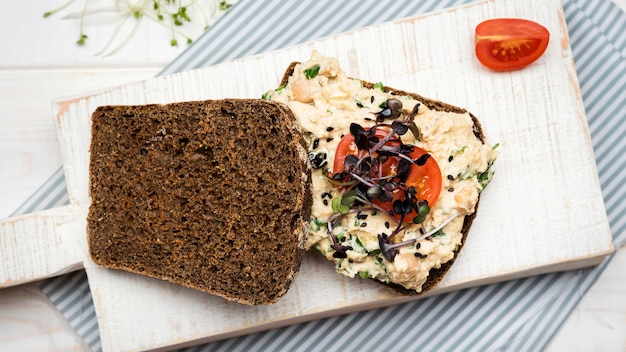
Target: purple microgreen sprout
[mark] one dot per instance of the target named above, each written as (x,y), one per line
(362,179)
(389,249)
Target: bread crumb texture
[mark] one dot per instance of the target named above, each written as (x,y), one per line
(213,195)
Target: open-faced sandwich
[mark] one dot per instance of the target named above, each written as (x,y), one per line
(396,177)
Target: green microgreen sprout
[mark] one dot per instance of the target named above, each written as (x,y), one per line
(82,36)
(170,13)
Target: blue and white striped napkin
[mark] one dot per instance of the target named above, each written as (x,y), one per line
(515,315)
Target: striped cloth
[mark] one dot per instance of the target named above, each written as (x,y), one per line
(515,315)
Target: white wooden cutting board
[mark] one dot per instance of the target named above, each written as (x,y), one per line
(543,211)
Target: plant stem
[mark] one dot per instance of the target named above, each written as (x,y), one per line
(83,36)
(51,12)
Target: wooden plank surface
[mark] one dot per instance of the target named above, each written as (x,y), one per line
(352,67)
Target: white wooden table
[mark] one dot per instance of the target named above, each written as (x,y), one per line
(40,62)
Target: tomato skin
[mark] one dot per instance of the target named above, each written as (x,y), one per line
(506,44)
(426,179)
(347,146)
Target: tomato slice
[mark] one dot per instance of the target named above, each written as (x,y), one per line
(506,44)
(425,178)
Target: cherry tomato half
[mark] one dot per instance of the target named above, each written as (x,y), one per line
(506,44)
(426,178)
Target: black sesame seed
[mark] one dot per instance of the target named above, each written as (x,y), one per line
(317,160)
(340,176)
(420,255)
(387,224)
(325,201)
(329,128)
(450,158)
(361,216)
(329,139)
(341,254)
(368,119)
(450,177)
(372,99)
(451,189)
(316,143)
(359,104)
(418,245)
(363,224)
(326,195)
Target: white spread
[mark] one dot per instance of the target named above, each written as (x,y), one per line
(325,105)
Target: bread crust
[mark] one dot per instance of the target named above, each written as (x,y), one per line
(180,193)
(436,274)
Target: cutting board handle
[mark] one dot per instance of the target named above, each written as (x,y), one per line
(41,245)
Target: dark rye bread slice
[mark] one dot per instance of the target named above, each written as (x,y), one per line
(435,275)
(213,195)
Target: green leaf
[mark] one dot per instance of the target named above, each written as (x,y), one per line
(81,39)
(335,204)
(349,197)
(182,11)
(364,274)
(438,234)
(484,178)
(379,86)
(375,252)
(311,71)
(316,224)
(358,245)
(338,207)
(268,95)
(224,5)
(422,212)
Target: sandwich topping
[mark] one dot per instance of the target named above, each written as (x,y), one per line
(392,179)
